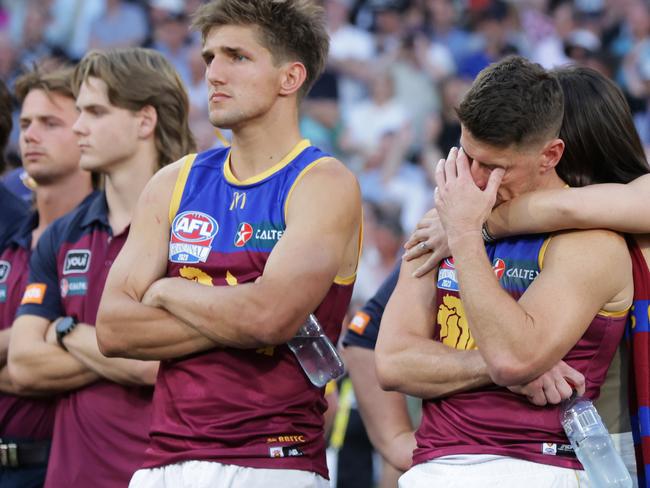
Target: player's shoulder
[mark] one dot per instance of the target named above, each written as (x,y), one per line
(601,247)
(169,174)
(331,173)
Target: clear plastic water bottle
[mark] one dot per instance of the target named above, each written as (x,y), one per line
(316,354)
(593,445)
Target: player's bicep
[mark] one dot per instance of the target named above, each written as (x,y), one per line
(323,216)
(410,311)
(583,273)
(143,258)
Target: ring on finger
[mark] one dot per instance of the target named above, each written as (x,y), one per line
(423,246)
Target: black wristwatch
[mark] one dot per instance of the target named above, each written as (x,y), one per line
(63,327)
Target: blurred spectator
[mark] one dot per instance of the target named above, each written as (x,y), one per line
(447,30)
(122,24)
(321,116)
(197,91)
(389,24)
(34,47)
(351,52)
(371,119)
(414,70)
(382,237)
(170,35)
(642,75)
(580,46)
(443,130)
(493,29)
(8,58)
(637,36)
(549,51)
(82,14)
(388,179)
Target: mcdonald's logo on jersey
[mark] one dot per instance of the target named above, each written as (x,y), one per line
(238,200)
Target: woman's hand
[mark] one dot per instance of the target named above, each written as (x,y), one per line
(429,237)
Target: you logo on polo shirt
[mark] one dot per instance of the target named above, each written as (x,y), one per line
(76,261)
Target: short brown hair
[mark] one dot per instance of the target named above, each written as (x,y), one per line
(53,80)
(137,77)
(513,102)
(290,29)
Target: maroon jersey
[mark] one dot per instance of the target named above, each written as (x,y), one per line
(20,417)
(250,407)
(100,430)
(492,419)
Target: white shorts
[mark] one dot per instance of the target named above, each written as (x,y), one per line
(207,474)
(481,471)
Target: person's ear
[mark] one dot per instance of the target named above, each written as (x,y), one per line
(147,120)
(551,154)
(293,77)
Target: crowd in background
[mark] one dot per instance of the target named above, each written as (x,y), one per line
(385,105)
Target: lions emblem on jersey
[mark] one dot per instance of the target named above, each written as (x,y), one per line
(191,239)
(454,330)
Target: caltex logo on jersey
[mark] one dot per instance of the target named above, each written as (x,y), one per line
(191,237)
(499,267)
(244,234)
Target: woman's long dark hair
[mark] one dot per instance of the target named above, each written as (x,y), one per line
(602,144)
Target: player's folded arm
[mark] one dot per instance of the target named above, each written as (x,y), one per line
(36,366)
(126,327)
(407,358)
(323,218)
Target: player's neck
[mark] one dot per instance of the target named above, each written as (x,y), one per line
(123,186)
(58,198)
(262,144)
(550,181)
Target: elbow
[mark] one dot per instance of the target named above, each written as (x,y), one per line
(387,374)
(146,373)
(273,327)
(509,371)
(111,346)
(22,377)
(108,340)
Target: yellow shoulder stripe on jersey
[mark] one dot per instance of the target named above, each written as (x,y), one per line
(181,179)
(348,280)
(542,252)
(232,179)
(615,313)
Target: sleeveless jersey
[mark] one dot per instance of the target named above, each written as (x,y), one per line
(492,419)
(249,407)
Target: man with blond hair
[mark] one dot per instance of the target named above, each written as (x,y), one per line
(230,251)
